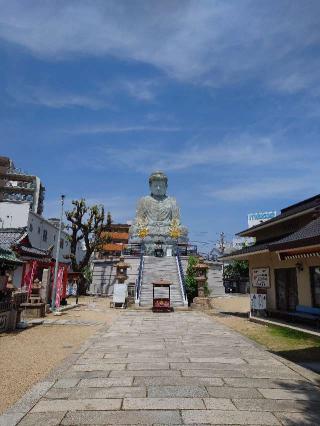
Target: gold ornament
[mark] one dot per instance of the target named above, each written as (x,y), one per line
(143,232)
(175,230)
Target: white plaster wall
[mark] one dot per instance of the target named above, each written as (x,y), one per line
(272,261)
(17,276)
(80,251)
(18,215)
(36,227)
(14,215)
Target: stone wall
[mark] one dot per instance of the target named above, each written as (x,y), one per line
(104,275)
(215,276)
(215,279)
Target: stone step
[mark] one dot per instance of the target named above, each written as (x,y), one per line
(154,269)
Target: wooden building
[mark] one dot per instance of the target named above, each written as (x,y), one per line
(284,262)
(117,235)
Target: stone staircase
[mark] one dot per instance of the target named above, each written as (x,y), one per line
(154,269)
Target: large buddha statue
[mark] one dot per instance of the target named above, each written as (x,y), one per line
(158,218)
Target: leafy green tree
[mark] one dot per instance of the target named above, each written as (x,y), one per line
(109,220)
(190,279)
(87,273)
(237,268)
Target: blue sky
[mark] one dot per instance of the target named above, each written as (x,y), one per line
(222,96)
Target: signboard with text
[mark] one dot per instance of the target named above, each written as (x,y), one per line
(258,301)
(260,217)
(260,277)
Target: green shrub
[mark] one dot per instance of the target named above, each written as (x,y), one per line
(191,283)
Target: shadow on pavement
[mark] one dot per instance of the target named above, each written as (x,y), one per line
(308,358)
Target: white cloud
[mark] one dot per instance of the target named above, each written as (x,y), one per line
(143,90)
(242,150)
(252,189)
(95,129)
(212,42)
(54,99)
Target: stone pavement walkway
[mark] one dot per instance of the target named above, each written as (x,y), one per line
(48,322)
(171,369)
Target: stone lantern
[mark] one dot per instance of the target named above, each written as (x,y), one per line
(35,292)
(201,301)
(121,271)
(201,276)
(34,307)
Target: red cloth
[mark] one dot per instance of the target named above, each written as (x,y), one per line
(29,276)
(59,286)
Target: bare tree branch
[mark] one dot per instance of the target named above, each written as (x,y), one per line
(87,224)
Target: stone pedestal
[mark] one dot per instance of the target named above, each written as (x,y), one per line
(33,310)
(34,307)
(201,303)
(8,320)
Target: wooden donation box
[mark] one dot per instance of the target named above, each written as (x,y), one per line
(161,296)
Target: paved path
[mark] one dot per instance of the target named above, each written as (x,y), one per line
(180,368)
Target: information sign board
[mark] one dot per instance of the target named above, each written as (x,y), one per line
(260,277)
(120,293)
(258,301)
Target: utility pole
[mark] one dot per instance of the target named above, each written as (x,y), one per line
(56,266)
(222,243)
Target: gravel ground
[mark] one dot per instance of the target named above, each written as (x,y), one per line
(28,356)
(232,303)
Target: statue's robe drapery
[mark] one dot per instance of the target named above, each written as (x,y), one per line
(156,216)
(162,211)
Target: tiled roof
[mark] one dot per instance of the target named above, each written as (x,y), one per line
(119,235)
(10,236)
(310,203)
(302,205)
(32,251)
(113,247)
(307,235)
(8,257)
(310,233)
(246,250)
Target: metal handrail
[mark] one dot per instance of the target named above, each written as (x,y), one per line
(181,278)
(139,278)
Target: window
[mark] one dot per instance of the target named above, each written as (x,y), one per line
(38,229)
(45,235)
(61,243)
(315,286)
(30,227)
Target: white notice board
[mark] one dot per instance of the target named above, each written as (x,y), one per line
(260,277)
(120,293)
(258,301)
